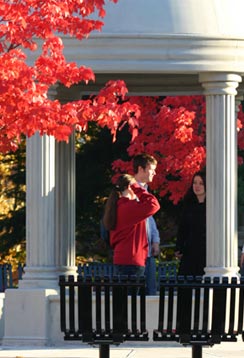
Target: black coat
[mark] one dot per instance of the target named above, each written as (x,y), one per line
(191,239)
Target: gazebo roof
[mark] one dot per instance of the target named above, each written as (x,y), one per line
(164,44)
(211,18)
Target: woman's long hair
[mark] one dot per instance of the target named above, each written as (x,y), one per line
(190,196)
(110,211)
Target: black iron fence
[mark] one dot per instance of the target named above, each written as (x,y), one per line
(9,278)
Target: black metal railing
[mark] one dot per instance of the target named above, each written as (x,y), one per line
(9,278)
(119,314)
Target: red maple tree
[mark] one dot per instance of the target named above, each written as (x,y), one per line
(33,25)
(173,130)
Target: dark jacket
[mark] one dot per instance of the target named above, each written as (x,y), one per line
(191,238)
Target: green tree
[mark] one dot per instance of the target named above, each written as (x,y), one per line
(12,205)
(95,153)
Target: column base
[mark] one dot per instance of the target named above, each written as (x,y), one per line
(27,317)
(211,271)
(39,277)
(67,270)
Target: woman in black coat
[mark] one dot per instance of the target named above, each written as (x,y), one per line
(191,238)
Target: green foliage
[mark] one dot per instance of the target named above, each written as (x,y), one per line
(12,198)
(95,152)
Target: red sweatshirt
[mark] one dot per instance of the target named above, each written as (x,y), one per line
(129,239)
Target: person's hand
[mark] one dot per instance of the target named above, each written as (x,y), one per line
(133,181)
(178,255)
(155,249)
(131,189)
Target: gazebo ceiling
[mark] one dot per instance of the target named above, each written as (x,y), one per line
(147,84)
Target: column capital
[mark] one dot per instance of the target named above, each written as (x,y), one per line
(219,83)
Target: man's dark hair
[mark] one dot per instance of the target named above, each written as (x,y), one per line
(142,160)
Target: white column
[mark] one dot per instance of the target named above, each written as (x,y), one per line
(50,240)
(222,241)
(65,192)
(65,207)
(27,318)
(50,207)
(40,270)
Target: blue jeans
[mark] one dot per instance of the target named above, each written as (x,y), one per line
(129,270)
(150,273)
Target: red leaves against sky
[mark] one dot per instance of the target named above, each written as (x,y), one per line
(24,105)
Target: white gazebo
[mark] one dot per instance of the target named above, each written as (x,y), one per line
(159,47)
